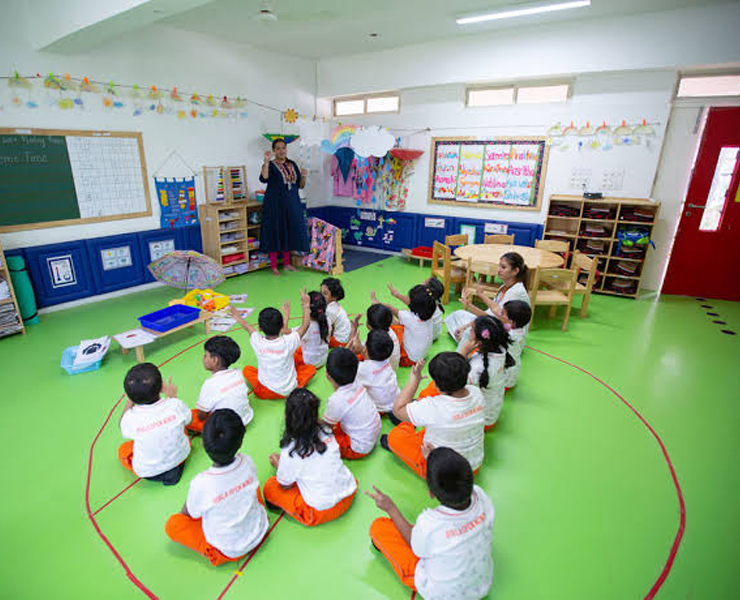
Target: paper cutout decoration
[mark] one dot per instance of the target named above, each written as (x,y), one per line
(287,138)
(340,137)
(372,141)
(290,116)
(311,132)
(345,156)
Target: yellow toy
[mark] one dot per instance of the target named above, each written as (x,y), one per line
(205,299)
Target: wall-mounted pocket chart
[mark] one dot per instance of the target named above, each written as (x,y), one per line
(497,173)
(51,177)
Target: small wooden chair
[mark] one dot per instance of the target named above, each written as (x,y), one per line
(557,246)
(499,238)
(553,288)
(452,242)
(444,269)
(583,264)
(477,273)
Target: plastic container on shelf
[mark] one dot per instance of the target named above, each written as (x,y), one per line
(169,318)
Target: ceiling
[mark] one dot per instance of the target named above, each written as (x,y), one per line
(324,28)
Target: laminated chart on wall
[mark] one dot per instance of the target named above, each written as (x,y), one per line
(177,204)
(501,173)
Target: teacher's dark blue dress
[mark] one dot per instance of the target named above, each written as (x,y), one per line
(283,222)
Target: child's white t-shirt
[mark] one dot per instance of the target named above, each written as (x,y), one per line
(275,362)
(436,323)
(454,550)
(225,498)
(351,407)
(417,335)
(338,319)
(451,422)
(493,393)
(518,338)
(160,441)
(314,348)
(380,381)
(226,389)
(396,354)
(322,479)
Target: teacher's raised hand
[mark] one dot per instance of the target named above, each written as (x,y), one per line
(268,156)
(304,172)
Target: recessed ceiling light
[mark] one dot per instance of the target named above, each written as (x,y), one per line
(522,12)
(374,35)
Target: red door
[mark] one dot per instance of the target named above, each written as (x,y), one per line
(705,260)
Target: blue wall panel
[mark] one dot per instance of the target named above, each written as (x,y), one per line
(153,243)
(60,272)
(426,236)
(116,262)
(399,231)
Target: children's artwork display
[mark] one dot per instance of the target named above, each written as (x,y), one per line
(321,254)
(177,205)
(500,173)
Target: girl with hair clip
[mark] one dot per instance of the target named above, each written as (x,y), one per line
(311,482)
(436,289)
(315,342)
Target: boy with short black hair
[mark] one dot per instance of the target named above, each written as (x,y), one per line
(350,410)
(447,552)
(376,373)
(154,425)
(226,387)
(223,517)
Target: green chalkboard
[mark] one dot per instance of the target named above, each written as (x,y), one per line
(36,181)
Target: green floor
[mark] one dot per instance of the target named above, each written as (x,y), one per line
(585,504)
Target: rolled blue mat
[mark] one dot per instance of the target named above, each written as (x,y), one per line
(23,289)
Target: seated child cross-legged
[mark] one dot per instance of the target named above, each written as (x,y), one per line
(225,388)
(376,373)
(436,289)
(350,409)
(516,314)
(223,517)
(315,342)
(451,419)
(447,552)
(276,374)
(155,426)
(311,484)
(415,328)
(333,292)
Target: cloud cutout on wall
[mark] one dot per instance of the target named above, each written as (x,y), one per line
(311,132)
(372,141)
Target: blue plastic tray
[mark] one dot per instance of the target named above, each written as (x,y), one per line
(68,357)
(169,318)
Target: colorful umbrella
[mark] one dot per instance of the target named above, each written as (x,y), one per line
(186,269)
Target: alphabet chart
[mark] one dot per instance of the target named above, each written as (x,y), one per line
(500,173)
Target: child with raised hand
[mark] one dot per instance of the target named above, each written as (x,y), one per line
(379,317)
(276,374)
(315,342)
(516,315)
(415,328)
(340,327)
(447,552)
(488,357)
(436,289)
(311,484)
(155,426)
(376,373)
(453,418)
(350,410)
(225,388)
(223,517)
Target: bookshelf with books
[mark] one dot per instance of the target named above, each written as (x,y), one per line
(614,231)
(10,315)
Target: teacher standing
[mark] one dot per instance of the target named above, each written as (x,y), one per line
(283,223)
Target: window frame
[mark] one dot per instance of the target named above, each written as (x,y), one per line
(703,75)
(516,86)
(365,98)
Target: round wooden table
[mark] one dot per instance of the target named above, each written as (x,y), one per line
(490,254)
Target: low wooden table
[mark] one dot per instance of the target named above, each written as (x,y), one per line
(534,258)
(205,318)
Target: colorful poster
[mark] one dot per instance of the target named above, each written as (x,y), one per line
(447,158)
(469,173)
(177,204)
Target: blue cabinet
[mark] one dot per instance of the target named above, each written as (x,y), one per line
(60,272)
(116,262)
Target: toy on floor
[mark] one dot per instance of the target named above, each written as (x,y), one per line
(205,299)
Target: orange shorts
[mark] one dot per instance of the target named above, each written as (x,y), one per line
(388,540)
(334,343)
(303,372)
(189,532)
(196,425)
(405,361)
(291,501)
(490,427)
(345,444)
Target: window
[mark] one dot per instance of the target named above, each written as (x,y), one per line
(705,86)
(529,94)
(360,105)
(717,199)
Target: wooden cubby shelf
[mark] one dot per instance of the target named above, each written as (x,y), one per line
(10,315)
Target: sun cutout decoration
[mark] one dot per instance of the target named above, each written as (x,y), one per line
(290,115)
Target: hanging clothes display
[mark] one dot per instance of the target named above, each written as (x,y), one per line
(343,171)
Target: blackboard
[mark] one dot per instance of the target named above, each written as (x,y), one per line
(57,177)
(497,173)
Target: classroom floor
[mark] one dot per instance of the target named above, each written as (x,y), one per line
(585,503)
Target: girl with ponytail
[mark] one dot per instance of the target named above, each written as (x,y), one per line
(315,342)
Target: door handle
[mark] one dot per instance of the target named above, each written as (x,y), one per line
(696,205)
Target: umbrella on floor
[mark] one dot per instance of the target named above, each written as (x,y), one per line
(187,270)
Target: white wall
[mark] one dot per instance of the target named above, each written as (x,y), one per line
(167,58)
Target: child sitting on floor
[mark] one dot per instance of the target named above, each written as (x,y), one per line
(315,342)
(436,289)
(223,517)
(276,374)
(516,315)
(447,552)
(488,357)
(376,374)
(311,484)
(415,326)
(333,292)
(379,317)
(225,388)
(350,410)
(453,418)
(155,426)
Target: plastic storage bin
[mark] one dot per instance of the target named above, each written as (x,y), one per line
(169,318)
(68,357)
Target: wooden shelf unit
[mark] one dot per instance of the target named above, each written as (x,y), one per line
(227,226)
(572,228)
(9,306)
